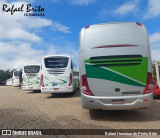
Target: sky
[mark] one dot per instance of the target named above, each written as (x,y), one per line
(26,39)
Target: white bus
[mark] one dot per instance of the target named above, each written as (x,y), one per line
(57,75)
(115,67)
(15,78)
(9,82)
(31,77)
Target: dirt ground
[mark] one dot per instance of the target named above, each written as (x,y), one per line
(34,110)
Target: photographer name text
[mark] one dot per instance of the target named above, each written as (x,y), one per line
(28,9)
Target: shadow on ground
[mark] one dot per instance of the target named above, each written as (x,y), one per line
(138,115)
(65,95)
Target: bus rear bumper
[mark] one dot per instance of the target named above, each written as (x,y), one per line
(15,84)
(56,90)
(106,103)
(27,88)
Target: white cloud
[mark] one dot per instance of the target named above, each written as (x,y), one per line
(16,54)
(57,26)
(155,38)
(103,13)
(153,9)
(75,2)
(122,10)
(155,54)
(18,36)
(155,46)
(18,26)
(81,2)
(127,8)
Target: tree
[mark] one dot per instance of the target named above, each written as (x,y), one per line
(4,75)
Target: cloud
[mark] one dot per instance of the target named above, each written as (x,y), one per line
(122,10)
(153,9)
(155,38)
(16,54)
(126,8)
(155,54)
(20,27)
(81,2)
(155,46)
(57,26)
(19,35)
(75,2)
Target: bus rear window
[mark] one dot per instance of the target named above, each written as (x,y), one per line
(31,69)
(56,62)
(16,73)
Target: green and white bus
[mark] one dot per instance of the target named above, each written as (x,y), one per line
(57,75)
(115,67)
(31,77)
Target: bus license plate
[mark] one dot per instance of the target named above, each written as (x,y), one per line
(118,101)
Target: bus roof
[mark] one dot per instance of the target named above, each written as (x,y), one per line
(57,56)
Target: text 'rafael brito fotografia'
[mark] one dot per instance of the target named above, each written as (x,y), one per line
(26,9)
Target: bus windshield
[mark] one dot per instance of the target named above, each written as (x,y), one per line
(16,73)
(56,62)
(31,69)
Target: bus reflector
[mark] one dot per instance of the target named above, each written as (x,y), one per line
(138,23)
(84,86)
(149,86)
(87,26)
(145,100)
(41,81)
(70,80)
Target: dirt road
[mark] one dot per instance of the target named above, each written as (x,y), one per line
(29,110)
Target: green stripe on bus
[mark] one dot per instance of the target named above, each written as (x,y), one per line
(137,72)
(115,63)
(114,59)
(101,73)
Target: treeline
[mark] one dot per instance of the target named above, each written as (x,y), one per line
(154,73)
(4,75)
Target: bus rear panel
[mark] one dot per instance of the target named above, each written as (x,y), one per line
(57,75)
(31,77)
(15,78)
(115,67)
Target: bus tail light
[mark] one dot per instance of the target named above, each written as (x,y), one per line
(84,86)
(41,81)
(149,86)
(70,80)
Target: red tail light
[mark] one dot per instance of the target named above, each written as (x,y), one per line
(70,80)
(84,86)
(149,86)
(41,81)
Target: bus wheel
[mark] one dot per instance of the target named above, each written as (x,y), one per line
(155,96)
